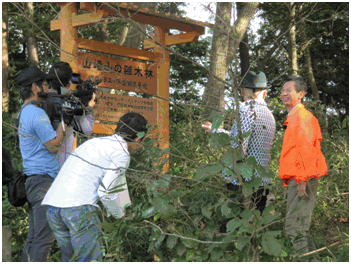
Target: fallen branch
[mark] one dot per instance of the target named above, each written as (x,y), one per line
(321,249)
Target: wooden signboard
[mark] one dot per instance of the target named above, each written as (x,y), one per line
(118,74)
(111,107)
(124,74)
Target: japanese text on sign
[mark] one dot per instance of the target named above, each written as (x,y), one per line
(111,107)
(118,74)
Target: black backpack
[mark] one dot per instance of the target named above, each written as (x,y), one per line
(7,171)
(17,190)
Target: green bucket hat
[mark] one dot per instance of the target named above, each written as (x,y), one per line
(255,80)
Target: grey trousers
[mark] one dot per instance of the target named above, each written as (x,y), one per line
(40,236)
(298,215)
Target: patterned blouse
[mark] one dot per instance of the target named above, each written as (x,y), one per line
(257,118)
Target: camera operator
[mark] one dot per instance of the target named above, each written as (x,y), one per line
(59,79)
(38,142)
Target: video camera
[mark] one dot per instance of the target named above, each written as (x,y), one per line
(70,104)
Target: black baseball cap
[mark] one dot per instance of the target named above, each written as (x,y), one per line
(255,80)
(30,75)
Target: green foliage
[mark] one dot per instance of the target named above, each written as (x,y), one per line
(177,216)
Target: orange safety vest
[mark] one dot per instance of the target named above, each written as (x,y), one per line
(301,157)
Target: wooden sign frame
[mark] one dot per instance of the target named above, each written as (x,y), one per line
(69,22)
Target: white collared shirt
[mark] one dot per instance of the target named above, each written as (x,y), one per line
(96,163)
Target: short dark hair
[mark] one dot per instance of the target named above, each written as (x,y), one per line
(130,124)
(59,75)
(300,84)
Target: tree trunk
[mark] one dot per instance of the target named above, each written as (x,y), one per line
(134,37)
(223,51)
(32,45)
(292,40)
(243,46)
(308,62)
(214,90)
(6,242)
(5,57)
(239,28)
(123,35)
(104,33)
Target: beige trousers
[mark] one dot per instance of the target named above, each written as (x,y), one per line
(298,215)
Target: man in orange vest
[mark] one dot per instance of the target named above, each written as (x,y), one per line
(301,163)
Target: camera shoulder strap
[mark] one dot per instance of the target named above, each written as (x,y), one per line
(33,102)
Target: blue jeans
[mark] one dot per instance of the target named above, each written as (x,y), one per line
(40,236)
(79,236)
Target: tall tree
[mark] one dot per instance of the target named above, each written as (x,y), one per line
(308,61)
(244,46)
(131,36)
(292,39)
(5,57)
(223,51)
(214,91)
(30,36)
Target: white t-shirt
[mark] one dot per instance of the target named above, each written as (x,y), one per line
(97,163)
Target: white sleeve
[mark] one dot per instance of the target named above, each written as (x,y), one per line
(221,130)
(114,179)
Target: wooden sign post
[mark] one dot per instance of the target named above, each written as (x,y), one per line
(150,74)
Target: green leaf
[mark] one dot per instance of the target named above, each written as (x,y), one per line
(246,134)
(229,173)
(247,189)
(251,161)
(175,194)
(216,253)
(225,210)
(180,248)
(246,226)
(270,244)
(108,227)
(219,140)
(247,215)
(228,239)
(171,241)
(213,168)
(141,134)
(231,157)
(254,183)
(163,181)
(267,216)
(148,212)
(233,224)
(161,204)
(264,172)
(246,170)
(189,256)
(204,255)
(242,242)
(205,170)
(189,243)
(218,120)
(206,211)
